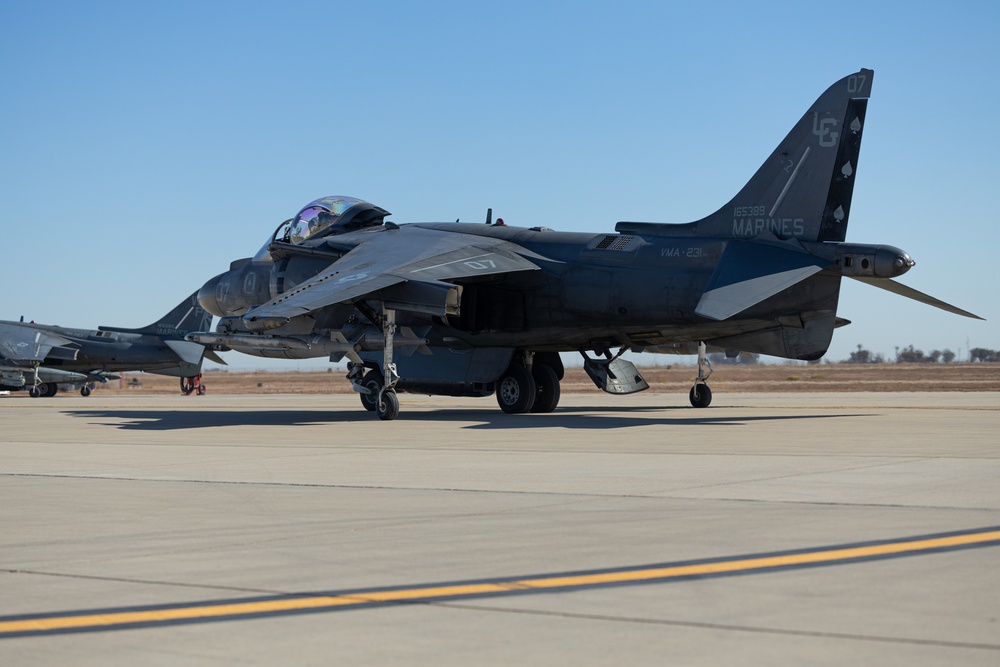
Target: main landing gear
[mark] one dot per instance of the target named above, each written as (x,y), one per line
(528,385)
(700,394)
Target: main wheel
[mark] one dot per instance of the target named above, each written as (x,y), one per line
(48,389)
(516,390)
(701,396)
(388,407)
(546,388)
(372,381)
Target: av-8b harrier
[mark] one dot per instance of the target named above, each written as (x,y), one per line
(473,309)
(40,357)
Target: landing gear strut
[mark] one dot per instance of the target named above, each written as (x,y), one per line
(387,404)
(378,388)
(700,394)
(39,388)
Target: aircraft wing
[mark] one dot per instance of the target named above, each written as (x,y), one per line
(413,261)
(25,343)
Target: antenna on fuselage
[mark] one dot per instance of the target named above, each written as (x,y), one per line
(489,216)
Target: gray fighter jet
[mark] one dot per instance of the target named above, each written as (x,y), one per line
(39,357)
(475,309)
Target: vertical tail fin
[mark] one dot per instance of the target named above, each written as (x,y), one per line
(187,316)
(804,188)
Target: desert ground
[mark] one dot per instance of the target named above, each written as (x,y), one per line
(665,379)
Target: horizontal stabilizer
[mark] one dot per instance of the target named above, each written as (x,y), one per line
(749,273)
(910,293)
(190,353)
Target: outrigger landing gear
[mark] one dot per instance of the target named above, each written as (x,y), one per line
(378,389)
(701,395)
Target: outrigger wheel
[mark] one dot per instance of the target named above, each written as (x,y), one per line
(700,394)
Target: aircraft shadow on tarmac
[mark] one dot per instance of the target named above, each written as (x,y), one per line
(489,419)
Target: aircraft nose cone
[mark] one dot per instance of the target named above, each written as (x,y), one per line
(207,296)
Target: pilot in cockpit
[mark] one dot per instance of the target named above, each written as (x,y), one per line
(306,224)
(333,215)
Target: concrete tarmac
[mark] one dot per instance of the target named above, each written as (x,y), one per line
(778,529)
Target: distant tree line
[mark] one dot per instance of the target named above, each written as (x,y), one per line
(911,355)
(982,354)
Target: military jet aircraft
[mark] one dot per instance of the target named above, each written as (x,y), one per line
(39,357)
(476,309)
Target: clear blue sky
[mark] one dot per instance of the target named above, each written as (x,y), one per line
(144,145)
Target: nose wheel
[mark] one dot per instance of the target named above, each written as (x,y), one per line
(388,406)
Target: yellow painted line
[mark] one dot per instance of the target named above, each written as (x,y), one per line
(747,564)
(94,621)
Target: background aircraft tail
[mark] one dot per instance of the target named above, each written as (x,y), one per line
(187,316)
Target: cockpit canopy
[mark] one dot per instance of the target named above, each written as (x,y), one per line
(331,215)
